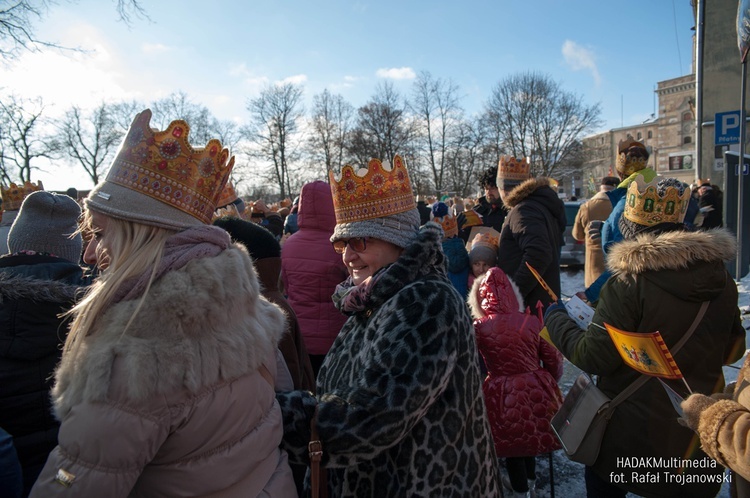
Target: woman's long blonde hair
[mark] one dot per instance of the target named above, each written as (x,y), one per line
(133,249)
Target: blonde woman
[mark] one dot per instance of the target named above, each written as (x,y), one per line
(165,385)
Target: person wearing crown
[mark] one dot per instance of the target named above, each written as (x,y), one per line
(13,197)
(165,387)
(632,162)
(662,274)
(532,232)
(489,210)
(399,408)
(457,258)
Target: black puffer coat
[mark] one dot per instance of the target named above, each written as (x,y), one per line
(533,233)
(34,290)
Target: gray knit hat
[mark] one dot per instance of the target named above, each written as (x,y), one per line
(399,229)
(46,223)
(159,179)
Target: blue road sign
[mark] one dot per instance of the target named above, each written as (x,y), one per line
(727,127)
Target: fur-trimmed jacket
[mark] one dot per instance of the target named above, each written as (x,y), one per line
(34,290)
(521,389)
(174,405)
(532,233)
(658,284)
(399,398)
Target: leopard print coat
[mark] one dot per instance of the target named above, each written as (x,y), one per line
(400,406)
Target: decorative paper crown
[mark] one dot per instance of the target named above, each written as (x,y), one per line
(227,196)
(163,165)
(374,192)
(646,207)
(14,195)
(485,240)
(511,168)
(627,164)
(440,213)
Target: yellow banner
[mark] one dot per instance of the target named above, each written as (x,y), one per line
(647,353)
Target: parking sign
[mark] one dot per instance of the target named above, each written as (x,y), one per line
(727,128)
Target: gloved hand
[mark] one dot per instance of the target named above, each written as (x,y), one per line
(692,408)
(595,230)
(556,306)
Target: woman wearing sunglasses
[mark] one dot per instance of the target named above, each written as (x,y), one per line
(399,408)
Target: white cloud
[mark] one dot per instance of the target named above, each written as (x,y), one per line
(396,73)
(154,48)
(297,79)
(578,57)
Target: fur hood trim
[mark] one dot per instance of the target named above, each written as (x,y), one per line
(521,192)
(200,325)
(670,251)
(497,304)
(14,288)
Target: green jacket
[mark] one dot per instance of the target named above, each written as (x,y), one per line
(658,284)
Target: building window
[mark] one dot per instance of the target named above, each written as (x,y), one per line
(650,134)
(688,139)
(640,136)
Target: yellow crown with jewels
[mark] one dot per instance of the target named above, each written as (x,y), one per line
(485,239)
(646,206)
(163,165)
(378,191)
(227,196)
(511,168)
(14,195)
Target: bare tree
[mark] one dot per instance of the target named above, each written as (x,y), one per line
(25,136)
(437,114)
(530,115)
(468,156)
(18,20)
(179,106)
(90,138)
(331,125)
(383,129)
(273,130)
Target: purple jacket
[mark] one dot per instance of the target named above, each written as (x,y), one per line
(311,269)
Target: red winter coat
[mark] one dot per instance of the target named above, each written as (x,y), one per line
(311,269)
(521,389)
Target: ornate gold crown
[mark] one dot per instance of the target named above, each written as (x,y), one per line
(629,163)
(485,239)
(163,165)
(646,207)
(14,195)
(510,168)
(227,196)
(379,190)
(449,224)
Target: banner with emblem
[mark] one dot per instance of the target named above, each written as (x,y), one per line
(647,353)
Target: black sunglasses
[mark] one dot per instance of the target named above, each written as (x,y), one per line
(358,244)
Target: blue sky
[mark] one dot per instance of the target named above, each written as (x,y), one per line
(221,53)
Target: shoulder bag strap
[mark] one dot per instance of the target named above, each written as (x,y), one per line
(643,378)
(315,447)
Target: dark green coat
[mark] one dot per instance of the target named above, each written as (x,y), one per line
(659,283)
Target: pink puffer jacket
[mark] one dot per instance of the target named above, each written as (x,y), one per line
(521,389)
(311,269)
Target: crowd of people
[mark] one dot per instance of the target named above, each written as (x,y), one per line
(166,337)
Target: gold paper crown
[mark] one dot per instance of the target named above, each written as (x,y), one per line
(485,239)
(163,165)
(227,196)
(510,168)
(646,207)
(374,192)
(449,224)
(14,195)
(627,164)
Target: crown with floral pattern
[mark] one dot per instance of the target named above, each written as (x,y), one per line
(441,213)
(14,195)
(163,165)
(375,192)
(510,168)
(649,204)
(485,239)
(227,196)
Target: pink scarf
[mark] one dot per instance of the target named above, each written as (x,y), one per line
(203,241)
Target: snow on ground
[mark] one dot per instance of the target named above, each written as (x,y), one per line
(568,476)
